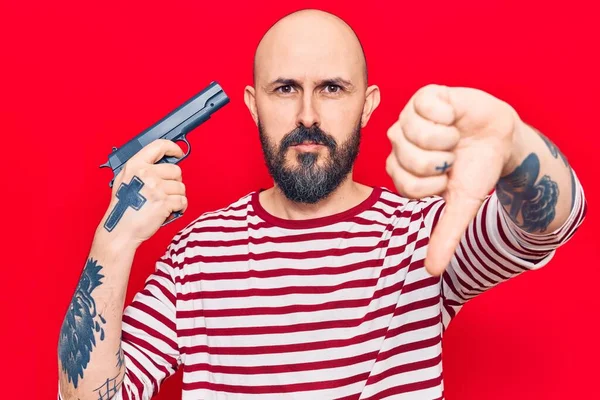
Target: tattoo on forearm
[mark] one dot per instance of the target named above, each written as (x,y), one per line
(129,196)
(82,322)
(555,151)
(109,388)
(535,202)
(120,357)
(552,147)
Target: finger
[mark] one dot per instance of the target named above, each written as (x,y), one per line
(432,102)
(176,203)
(167,171)
(446,236)
(474,102)
(427,134)
(413,186)
(157,149)
(418,161)
(171,187)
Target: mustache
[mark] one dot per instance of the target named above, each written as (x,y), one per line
(304,134)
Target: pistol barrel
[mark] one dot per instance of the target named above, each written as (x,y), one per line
(174,126)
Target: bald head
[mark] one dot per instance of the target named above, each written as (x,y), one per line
(309,42)
(309,101)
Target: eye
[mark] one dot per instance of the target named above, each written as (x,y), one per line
(285,89)
(333,88)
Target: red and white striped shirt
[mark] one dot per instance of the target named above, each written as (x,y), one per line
(252,306)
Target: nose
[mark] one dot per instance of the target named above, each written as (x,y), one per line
(308,115)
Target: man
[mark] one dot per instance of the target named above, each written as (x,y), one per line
(320,287)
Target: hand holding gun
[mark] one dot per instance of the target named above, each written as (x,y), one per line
(174,127)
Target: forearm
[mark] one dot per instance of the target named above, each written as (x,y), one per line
(537,185)
(91,363)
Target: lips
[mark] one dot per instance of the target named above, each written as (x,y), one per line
(308,142)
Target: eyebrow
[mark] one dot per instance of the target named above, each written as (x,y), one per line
(325,82)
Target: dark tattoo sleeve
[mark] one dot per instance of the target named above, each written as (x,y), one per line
(524,195)
(552,147)
(129,196)
(82,322)
(557,153)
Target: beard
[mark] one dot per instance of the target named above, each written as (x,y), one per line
(309,182)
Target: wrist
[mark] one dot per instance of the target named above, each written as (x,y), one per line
(517,151)
(113,244)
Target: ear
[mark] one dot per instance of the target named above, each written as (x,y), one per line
(372,99)
(250,100)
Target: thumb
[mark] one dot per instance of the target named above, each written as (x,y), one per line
(472,107)
(458,213)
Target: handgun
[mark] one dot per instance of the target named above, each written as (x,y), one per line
(175,126)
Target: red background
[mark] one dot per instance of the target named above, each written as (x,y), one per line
(78,78)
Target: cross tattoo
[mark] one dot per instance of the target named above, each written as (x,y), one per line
(444,167)
(129,196)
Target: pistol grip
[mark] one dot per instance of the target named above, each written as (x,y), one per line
(175,160)
(172,218)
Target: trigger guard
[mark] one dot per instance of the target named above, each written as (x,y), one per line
(175,160)
(189,147)
(189,150)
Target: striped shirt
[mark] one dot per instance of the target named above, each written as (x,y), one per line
(252,306)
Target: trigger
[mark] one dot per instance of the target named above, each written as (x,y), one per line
(189,147)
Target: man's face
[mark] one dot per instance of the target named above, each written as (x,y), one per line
(309,102)
(308,164)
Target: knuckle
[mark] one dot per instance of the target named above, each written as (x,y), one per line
(160,196)
(454,137)
(426,105)
(389,164)
(420,93)
(392,132)
(151,182)
(142,172)
(430,88)
(177,169)
(156,144)
(389,133)
(162,145)
(425,96)
(407,157)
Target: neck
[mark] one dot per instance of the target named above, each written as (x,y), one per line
(347,195)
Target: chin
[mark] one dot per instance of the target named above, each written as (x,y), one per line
(305,158)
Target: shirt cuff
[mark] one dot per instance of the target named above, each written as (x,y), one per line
(540,247)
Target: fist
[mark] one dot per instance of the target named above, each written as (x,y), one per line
(145,194)
(451,142)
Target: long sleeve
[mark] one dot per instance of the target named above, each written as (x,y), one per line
(494,249)
(149,338)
